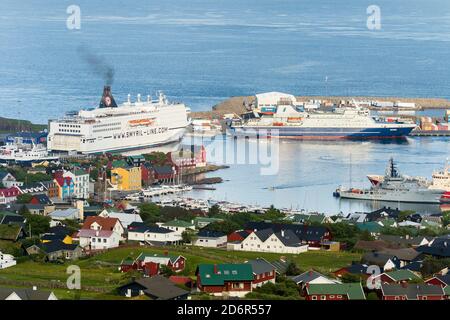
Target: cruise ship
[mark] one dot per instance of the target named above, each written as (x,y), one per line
(395,187)
(116,128)
(342,123)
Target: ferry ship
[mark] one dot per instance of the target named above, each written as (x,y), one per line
(395,187)
(342,123)
(116,128)
(25,154)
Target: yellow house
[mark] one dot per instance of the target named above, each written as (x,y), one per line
(127,178)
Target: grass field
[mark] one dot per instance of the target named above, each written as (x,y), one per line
(100,274)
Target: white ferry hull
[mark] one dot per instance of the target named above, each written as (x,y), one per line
(123,128)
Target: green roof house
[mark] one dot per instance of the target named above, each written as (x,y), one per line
(225,279)
(398,276)
(338,291)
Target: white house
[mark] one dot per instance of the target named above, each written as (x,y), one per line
(211,239)
(80,180)
(98,239)
(312,277)
(9,181)
(179,226)
(266,240)
(125,218)
(153,234)
(104,224)
(6,260)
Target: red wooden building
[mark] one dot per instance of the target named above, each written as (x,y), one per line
(225,279)
(416,291)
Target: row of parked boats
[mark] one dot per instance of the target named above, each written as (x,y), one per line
(396,187)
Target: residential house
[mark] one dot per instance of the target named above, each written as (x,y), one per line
(210,238)
(233,280)
(439,280)
(147,174)
(9,195)
(11,232)
(266,240)
(398,276)
(7,260)
(313,236)
(52,188)
(125,218)
(38,209)
(57,250)
(152,234)
(58,233)
(156,287)
(65,185)
(136,161)
(335,291)
(404,241)
(41,198)
(416,291)
(7,218)
(374,228)
(179,226)
(439,247)
(238,236)
(188,157)
(182,281)
(385,261)
(404,255)
(201,222)
(383,213)
(163,173)
(104,224)
(97,239)
(127,178)
(34,188)
(25,294)
(263,272)
(176,263)
(8,180)
(359,269)
(312,277)
(80,180)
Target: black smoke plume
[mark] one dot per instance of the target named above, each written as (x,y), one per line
(98,64)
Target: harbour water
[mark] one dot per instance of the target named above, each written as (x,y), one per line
(309,172)
(202,52)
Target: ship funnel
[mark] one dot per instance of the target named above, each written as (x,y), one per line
(107,99)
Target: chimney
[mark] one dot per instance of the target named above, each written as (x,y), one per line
(34,288)
(282,233)
(215,268)
(107,100)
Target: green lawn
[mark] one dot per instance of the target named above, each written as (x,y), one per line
(101,271)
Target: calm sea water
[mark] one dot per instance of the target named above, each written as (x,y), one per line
(309,172)
(201,52)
